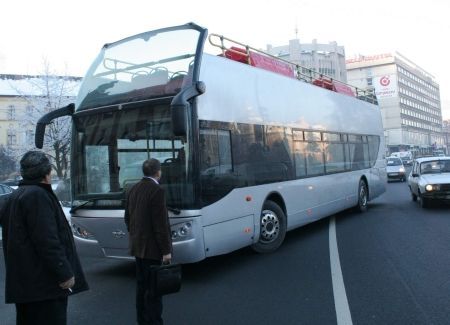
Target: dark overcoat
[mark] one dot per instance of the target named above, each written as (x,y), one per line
(147,221)
(38,246)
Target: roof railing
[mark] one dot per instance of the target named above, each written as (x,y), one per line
(252,56)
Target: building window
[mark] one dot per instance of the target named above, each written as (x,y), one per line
(369,81)
(11,112)
(30,109)
(12,138)
(29,136)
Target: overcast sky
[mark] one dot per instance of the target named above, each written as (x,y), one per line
(70,33)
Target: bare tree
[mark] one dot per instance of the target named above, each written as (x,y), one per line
(43,94)
(7,161)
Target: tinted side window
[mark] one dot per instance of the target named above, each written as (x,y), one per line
(300,158)
(314,158)
(216,165)
(374,145)
(215,152)
(334,157)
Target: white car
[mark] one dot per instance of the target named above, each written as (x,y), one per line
(430,180)
(395,169)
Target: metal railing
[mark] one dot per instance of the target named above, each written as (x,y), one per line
(301,73)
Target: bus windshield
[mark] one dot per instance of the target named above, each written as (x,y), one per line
(110,147)
(147,65)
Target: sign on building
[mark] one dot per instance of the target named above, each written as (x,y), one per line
(385,86)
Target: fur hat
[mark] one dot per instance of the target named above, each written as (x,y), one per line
(34,165)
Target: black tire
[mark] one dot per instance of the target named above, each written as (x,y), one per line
(413,196)
(363,197)
(272,228)
(424,202)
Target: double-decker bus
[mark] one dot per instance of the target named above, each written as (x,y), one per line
(251,146)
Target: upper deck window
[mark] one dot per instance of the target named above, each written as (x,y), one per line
(147,65)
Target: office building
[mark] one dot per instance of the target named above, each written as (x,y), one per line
(408,97)
(327,59)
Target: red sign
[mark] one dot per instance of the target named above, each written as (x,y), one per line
(384,81)
(362,58)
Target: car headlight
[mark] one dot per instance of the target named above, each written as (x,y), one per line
(401,170)
(431,187)
(181,231)
(81,232)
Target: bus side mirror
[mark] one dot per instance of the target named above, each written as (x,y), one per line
(179,118)
(180,106)
(46,119)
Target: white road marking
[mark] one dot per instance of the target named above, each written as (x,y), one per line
(340,297)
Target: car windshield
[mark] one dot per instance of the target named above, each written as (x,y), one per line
(394,162)
(435,167)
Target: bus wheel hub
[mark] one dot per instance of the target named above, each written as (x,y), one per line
(270,226)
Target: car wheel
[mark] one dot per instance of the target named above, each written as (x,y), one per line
(424,202)
(363,197)
(272,228)
(413,196)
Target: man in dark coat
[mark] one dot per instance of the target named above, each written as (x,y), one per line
(150,238)
(42,265)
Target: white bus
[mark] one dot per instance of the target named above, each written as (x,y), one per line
(248,151)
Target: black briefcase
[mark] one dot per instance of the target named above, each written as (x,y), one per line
(166,279)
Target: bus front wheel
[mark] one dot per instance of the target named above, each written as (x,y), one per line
(272,228)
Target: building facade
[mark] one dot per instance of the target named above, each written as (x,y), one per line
(446,134)
(327,59)
(409,100)
(23,100)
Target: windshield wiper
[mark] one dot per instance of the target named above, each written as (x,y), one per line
(75,208)
(174,210)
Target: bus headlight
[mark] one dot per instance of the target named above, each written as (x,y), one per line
(181,231)
(430,187)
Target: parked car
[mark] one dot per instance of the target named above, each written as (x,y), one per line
(12,182)
(395,169)
(430,180)
(5,192)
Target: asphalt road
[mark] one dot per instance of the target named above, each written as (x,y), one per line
(395,262)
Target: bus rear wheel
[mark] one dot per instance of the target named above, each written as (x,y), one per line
(363,196)
(272,228)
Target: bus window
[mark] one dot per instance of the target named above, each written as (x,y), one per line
(215,164)
(312,136)
(215,152)
(300,158)
(97,172)
(334,157)
(224,151)
(279,151)
(366,155)
(357,156)
(314,158)
(374,145)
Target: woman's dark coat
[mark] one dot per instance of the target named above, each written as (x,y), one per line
(38,246)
